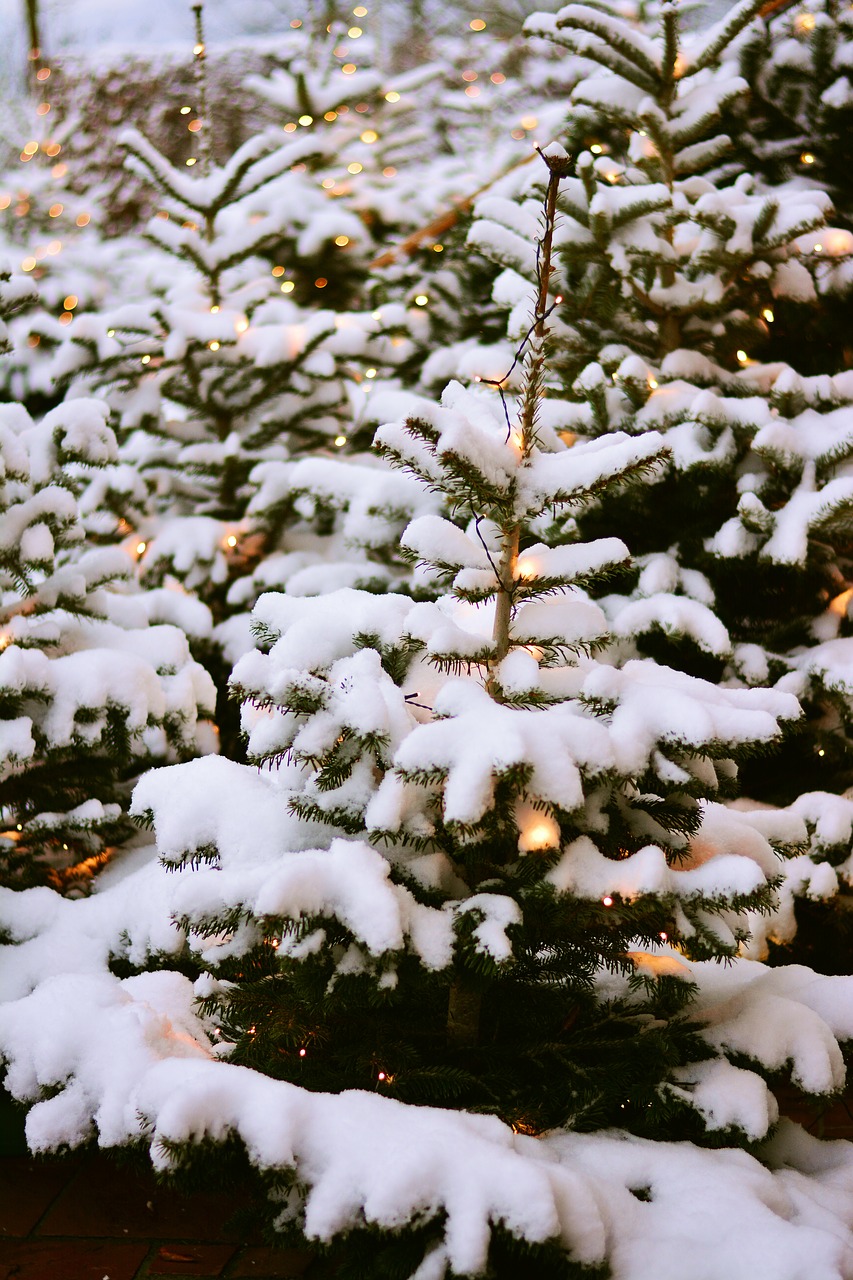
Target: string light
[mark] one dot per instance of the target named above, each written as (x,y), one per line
(288,286)
(355,32)
(290,127)
(140,548)
(768,315)
(82,219)
(340,441)
(653,382)
(355,167)
(340,241)
(191,162)
(319,283)
(607,901)
(70,302)
(303,1052)
(296,22)
(497,77)
(807,158)
(146,359)
(392,96)
(370,373)
(194,125)
(241,324)
(421,300)
(370,135)
(55,210)
(185,111)
(231,541)
(805,22)
(214,309)
(529,122)
(305,121)
(348,68)
(213,346)
(359,11)
(477,24)
(742,356)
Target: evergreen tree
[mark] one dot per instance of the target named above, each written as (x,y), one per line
(523,866)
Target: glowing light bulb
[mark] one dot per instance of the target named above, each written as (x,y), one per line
(529,122)
(146,359)
(359,11)
(653,382)
(305,121)
(185,111)
(421,300)
(768,315)
(370,373)
(381,1076)
(241,324)
(191,162)
(340,441)
(214,346)
(804,22)
(596,148)
(82,219)
(392,96)
(818,248)
(302,1053)
(355,32)
(349,68)
(319,283)
(231,540)
(111,333)
(55,210)
(807,158)
(195,126)
(140,548)
(497,77)
(28,264)
(340,241)
(477,24)
(607,901)
(288,286)
(198,49)
(355,167)
(742,356)
(369,135)
(71,302)
(214,309)
(821,751)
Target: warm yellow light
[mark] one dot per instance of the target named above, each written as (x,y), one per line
(527,568)
(473,91)
(214,346)
(370,373)
(469,76)
(185,111)
(191,161)
(607,901)
(370,135)
(392,96)
(231,540)
(596,148)
(198,50)
(389,171)
(477,24)
(111,333)
(529,122)
(359,11)
(30,148)
(330,116)
(43,73)
(54,247)
(42,108)
(71,302)
(66,317)
(742,356)
(28,264)
(421,300)
(146,359)
(305,121)
(327,184)
(768,315)
(5,201)
(290,127)
(340,241)
(355,167)
(804,22)
(140,548)
(348,68)
(83,219)
(355,32)
(438,248)
(807,158)
(241,325)
(838,606)
(288,286)
(55,210)
(497,77)
(52,149)
(194,126)
(818,248)
(214,310)
(340,441)
(33,340)
(653,382)
(295,22)
(838,241)
(320,282)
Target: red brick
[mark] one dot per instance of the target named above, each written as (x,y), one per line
(70,1260)
(190,1259)
(27,1188)
(270,1264)
(106,1199)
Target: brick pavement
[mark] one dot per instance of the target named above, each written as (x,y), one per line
(88,1217)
